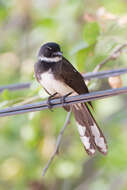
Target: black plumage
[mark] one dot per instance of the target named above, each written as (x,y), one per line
(57,74)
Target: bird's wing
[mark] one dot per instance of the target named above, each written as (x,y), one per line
(72,77)
(90,133)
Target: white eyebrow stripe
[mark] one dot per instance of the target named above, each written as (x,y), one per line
(49,47)
(50,59)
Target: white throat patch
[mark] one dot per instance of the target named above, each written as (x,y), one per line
(50,59)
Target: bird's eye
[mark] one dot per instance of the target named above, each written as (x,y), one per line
(47,51)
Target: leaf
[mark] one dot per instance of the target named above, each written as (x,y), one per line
(91,32)
(46,22)
(82,45)
(81,57)
(115,82)
(6,95)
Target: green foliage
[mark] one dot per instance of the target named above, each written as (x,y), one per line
(91,32)
(87,31)
(81,57)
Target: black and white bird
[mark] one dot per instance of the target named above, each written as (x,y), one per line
(57,75)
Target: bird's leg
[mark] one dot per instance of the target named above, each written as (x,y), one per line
(64,97)
(49,100)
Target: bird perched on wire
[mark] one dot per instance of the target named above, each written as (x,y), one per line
(59,78)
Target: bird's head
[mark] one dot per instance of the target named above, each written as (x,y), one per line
(50,52)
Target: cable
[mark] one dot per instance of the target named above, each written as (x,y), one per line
(57,102)
(88,76)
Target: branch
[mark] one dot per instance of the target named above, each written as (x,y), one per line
(86,76)
(69,100)
(57,102)
(114,54)
(28,101)
(58,142)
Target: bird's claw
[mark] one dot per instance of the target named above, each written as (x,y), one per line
(64,97)
(49,104)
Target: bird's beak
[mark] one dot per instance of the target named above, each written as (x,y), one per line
(58,53)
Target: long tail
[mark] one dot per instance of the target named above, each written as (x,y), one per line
(90,134)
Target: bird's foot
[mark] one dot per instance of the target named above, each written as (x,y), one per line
(64,97)
(49,101)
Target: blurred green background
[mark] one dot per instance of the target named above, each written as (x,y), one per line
(87,30)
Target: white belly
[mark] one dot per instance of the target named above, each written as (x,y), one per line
(52,85)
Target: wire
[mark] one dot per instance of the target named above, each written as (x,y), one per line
(15,86)
(105,74)
(57,102)
(88,76)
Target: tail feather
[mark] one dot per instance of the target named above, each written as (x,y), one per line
(90,134)
(83,129)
